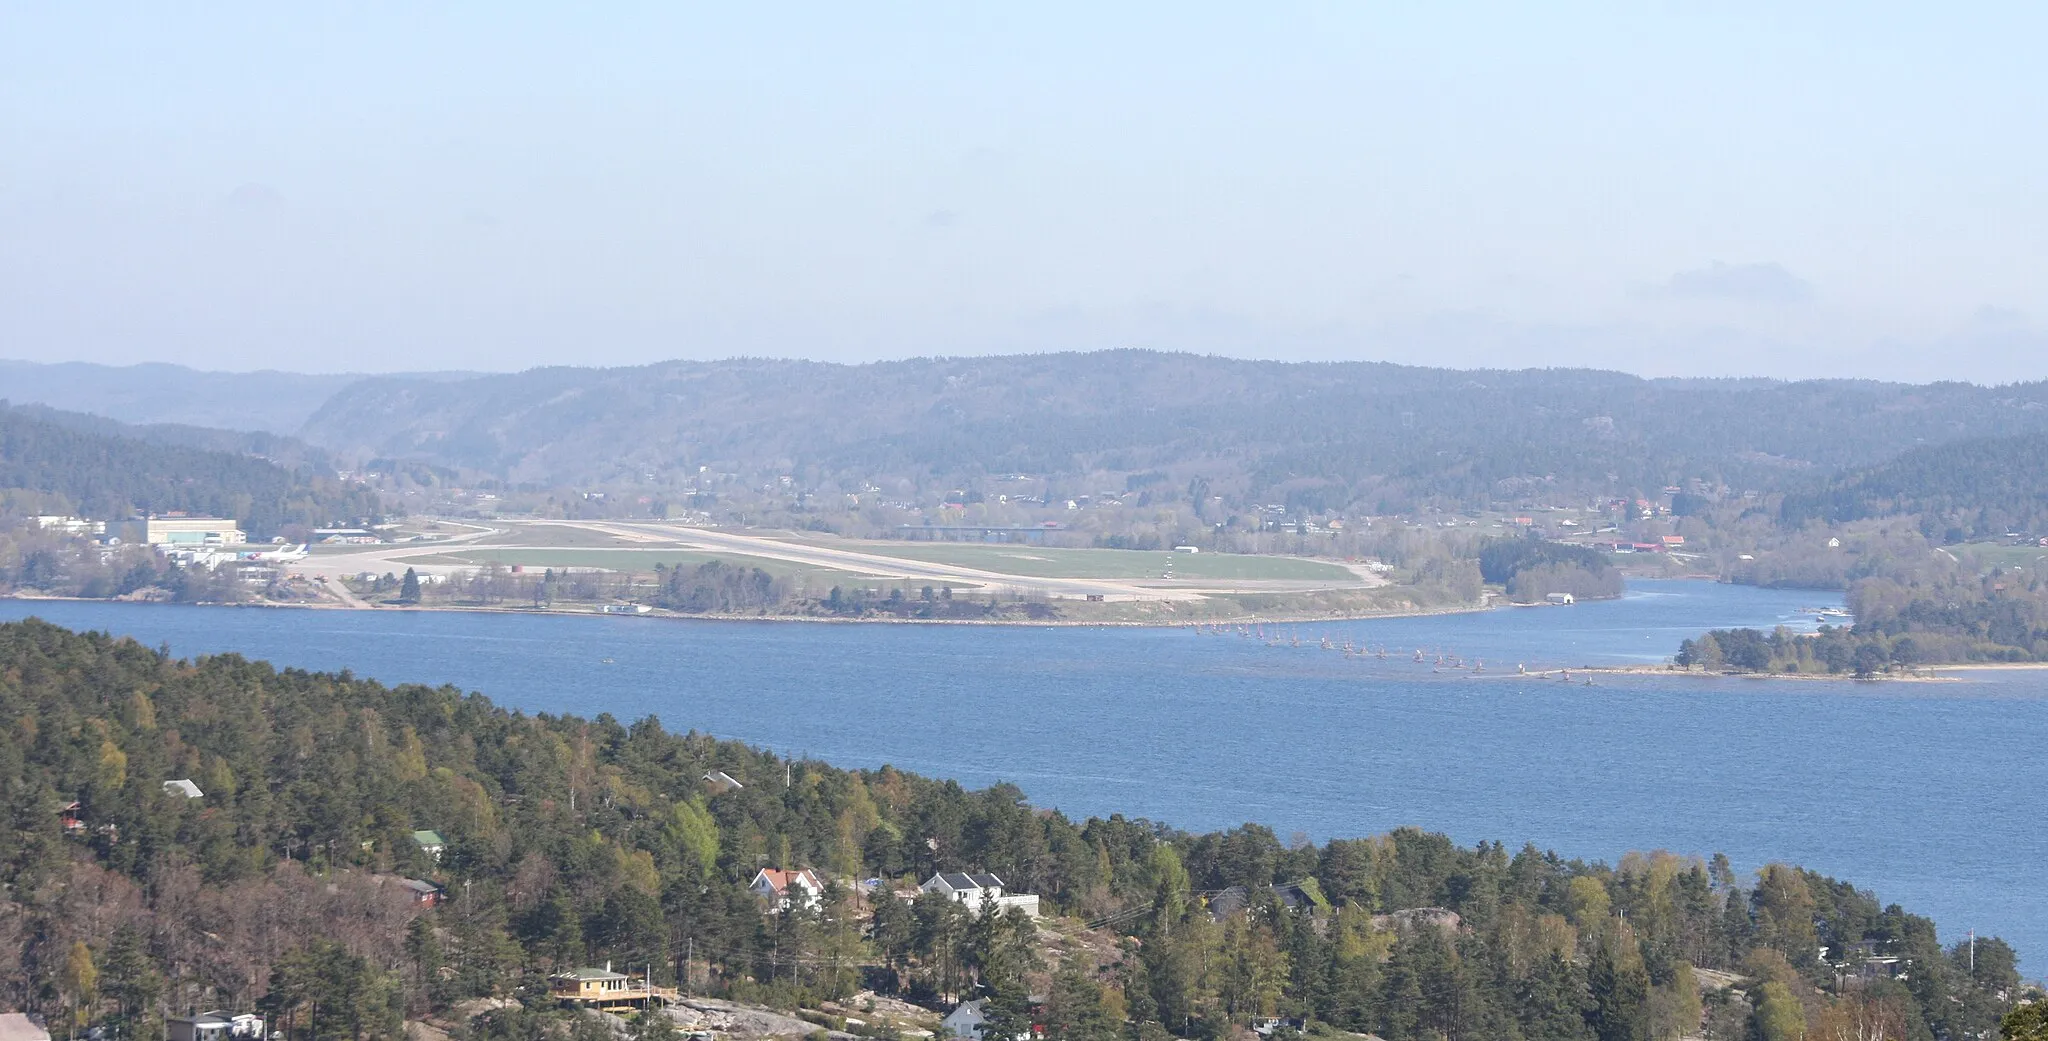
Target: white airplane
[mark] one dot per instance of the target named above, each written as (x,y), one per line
(281,555)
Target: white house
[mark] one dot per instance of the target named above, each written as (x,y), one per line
(975,889)
(183,787)
(783,888)
(964,1021)
(215,1026)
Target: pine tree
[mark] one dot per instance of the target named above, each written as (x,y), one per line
(409,589)
(130,979)
(1074,1011)
(1621,993)
(1401,996)
(1552,1001)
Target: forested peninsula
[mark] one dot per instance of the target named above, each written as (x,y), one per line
(348,858)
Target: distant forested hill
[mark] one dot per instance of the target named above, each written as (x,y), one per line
(274,401)
(1366,436)
(1967,489)
(1315,435)
(282,449)
(107,475)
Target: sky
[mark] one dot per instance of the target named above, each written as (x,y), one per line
(1735,189)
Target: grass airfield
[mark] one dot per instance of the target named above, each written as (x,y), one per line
(1094,584)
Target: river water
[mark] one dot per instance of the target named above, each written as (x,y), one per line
(1920,792)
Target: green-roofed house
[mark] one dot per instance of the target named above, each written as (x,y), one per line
(431,843)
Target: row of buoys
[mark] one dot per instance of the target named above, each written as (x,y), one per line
(1438,661)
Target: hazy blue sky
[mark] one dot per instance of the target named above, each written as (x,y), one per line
(1851,189)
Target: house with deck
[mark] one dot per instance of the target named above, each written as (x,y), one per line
(974,889)
(605,990)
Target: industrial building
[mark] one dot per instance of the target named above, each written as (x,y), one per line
(182,531)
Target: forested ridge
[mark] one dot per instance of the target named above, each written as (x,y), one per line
(76,466)
(1974,488)
(1317,435)
(1353,437)
(279,449)
(154,393)
(573,841)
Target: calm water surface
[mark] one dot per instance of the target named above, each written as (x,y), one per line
(1927,794)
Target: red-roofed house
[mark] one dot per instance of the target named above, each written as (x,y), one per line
(783,888)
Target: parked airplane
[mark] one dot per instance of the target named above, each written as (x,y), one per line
(280,555)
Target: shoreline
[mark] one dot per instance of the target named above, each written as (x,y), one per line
(1922,674)
(665,615)
(1556,674)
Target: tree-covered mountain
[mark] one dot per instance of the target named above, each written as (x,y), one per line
(79,466)
(1353,436)
(277,881)
(1971,488)
(281,449)
(1314,434)
(157,393)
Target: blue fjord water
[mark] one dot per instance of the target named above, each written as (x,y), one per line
(1927,794)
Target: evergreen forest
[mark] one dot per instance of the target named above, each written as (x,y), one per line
(83,469)
(565,842)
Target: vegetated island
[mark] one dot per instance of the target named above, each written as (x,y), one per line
(1917,608)
(349,860)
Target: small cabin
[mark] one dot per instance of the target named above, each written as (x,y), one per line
(606,990)
(430,842)
(215,1026)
